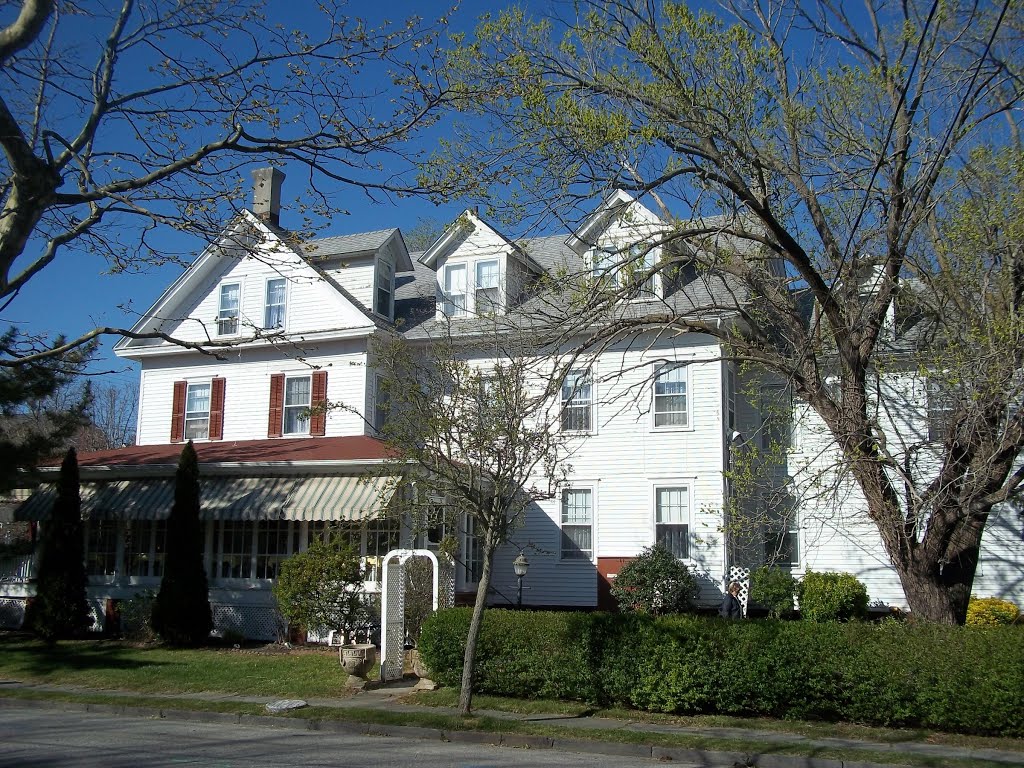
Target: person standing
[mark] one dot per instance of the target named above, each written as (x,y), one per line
(731,606)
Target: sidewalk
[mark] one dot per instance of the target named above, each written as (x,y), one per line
(390,698)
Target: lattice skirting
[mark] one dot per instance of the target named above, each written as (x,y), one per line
(12,612)
(742,575)
(253,622)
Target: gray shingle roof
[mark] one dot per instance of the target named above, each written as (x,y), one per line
(342,245)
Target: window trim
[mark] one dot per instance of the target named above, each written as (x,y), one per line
(267,305)
(674,484)
(446,300)
(938,404)
(208,383)
(390,279)
(591,489)
(672,365)
(236,319)
(591,404)
(285,406)
(498,304)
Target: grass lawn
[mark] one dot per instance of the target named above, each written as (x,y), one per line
(115,665)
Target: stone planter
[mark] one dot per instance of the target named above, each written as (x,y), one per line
(357,659)
(420,670)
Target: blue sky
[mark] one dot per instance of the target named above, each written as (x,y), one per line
(76,293)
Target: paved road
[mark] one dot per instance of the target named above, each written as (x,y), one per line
(38,738)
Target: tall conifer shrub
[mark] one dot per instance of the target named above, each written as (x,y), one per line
(181,612)
(60,608)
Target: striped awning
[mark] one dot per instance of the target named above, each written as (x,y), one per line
(295,497)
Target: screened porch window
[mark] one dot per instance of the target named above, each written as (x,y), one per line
(146,548)
(101,548)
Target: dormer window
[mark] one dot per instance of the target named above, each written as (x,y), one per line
(228,309)
(487,298)
(631,272)
(385,293)
(454,288)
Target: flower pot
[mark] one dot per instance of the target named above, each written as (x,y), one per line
(357,659)
(418,667)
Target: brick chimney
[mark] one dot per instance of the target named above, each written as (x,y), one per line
(266,194)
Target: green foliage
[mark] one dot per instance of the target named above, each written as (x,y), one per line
(774,589)
(60,609)
(181,611)
(830,596)
(419,598)
(35,422)
(655,582)
(991,612)
(137,616)
(321,589)
(893,674)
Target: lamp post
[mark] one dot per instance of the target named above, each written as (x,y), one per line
(520,565)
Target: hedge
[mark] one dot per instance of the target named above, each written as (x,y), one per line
(966,680)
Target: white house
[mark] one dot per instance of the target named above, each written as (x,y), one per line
(654,420)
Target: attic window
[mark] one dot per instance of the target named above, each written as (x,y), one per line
(630,271)
(384,299)
(488,299)
(454,298)
(227,311)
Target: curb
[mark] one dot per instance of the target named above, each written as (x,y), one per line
(681,756)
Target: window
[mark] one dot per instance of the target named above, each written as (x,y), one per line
(473,552)
(577,524)
(275,541)
(101,548)
(146,548)
(940,412)
(454,299)
(782,546)
(273,313)
(671,403)
(234,560)
(197,411)
(383,303)
(381,404)
(487,300)
(227,313)
(672,519)
(577,402)
(612,268)
(297,401)
(641,274)
(730,399)
(604,266)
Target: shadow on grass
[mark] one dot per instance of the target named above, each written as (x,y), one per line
(33,657)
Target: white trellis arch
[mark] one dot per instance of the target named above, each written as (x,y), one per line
(392,608)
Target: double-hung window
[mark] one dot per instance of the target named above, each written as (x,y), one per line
(643,278)
(577,541)
(228,309)
(454,298)
(384,299)
(672,519)
(487,299)
(940,411)
(577,402)
(604,266)
(381,403)
(671,399)
(298,393)
(273,313)
(197,411)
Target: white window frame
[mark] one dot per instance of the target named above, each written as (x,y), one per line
(641,261)
(660,369)
(151,554)
(686,486)
(202,415)
(584,556)
(379,413)
(229,324)
(267,306)
(384,279)
(497,304)
(285,407)
(570,401)
(448,298)
(938,405)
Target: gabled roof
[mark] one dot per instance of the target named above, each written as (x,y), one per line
(359,243)
(615,203)
(459,229)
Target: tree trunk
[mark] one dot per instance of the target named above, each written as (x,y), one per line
(939,589)
(469,659)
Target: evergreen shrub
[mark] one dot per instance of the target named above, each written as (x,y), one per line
(773,589)
(892,674)
(655,582)
(991,612)
(830,596)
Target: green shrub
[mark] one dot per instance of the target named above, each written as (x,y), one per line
(894,674)
(991,612)
(136,613)
(773,589)
(655,582)
(832,597)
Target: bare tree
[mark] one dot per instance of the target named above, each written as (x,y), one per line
(838,173)
(472,423)
(140,116)
(112,416)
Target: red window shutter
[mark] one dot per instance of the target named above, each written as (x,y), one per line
(318,419)
(275,422)
(217,409)
(178,412)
